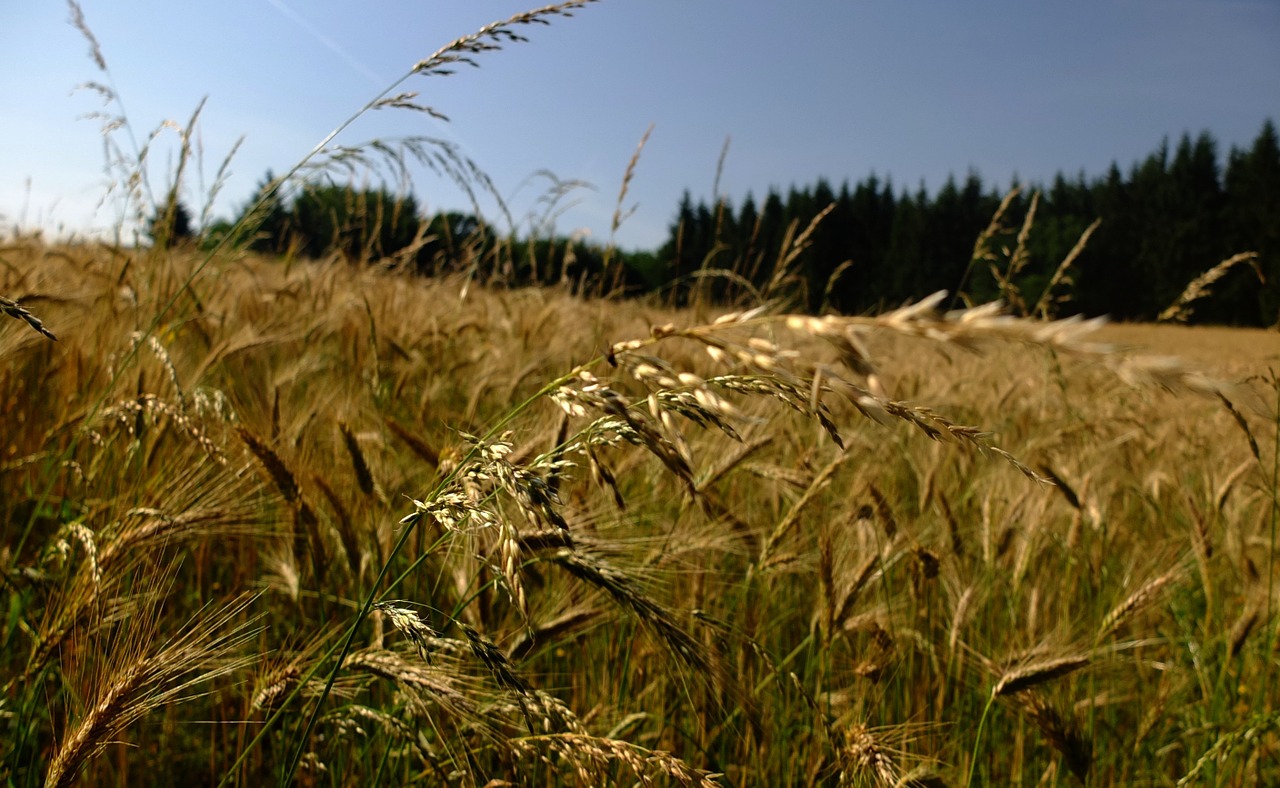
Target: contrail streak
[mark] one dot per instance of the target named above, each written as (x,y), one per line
(332,45)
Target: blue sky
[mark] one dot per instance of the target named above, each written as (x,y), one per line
(908,89)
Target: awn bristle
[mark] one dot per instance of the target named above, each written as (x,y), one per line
(145,680)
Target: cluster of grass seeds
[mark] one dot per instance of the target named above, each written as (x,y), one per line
(519,537)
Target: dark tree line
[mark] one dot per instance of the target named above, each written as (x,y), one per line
(1167,220)
(377,225)
(864,247)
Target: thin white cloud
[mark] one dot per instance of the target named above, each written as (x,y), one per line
(330,44)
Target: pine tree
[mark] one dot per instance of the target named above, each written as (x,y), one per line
(1252,223)
(773,227)
(171,224)
(904,260)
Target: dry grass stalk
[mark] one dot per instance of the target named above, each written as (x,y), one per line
(93,597)
(1044,308)
(982,244)
(884,510)
(792,248)
(879,657)
(953,526)
(294,671)
(732,460)
(966,327)
(534,705)
(88,542)
(162,355)
(1155,713)
(972,327)
(959,618)
(848,596)
(621,214)
(792,517)
(1180,310)
(433,684)
(79,23)
(1229,483)
(942,429)
(1240,421)
(1017,261)
(349,721)
(461,51)
(151,529)
(273,687)
(1202,549)
(830,287)
(495,662)
(863,755)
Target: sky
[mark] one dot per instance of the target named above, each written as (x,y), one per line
(911,90)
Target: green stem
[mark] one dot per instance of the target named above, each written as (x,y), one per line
(977,741)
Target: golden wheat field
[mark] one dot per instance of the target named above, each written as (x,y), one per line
(278,522)
(269,520)
(1230,353)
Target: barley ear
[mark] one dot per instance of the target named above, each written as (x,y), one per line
(12,309)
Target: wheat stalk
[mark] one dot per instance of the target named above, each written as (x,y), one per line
(150,678)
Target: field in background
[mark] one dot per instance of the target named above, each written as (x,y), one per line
(664,567)
(1227,351)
